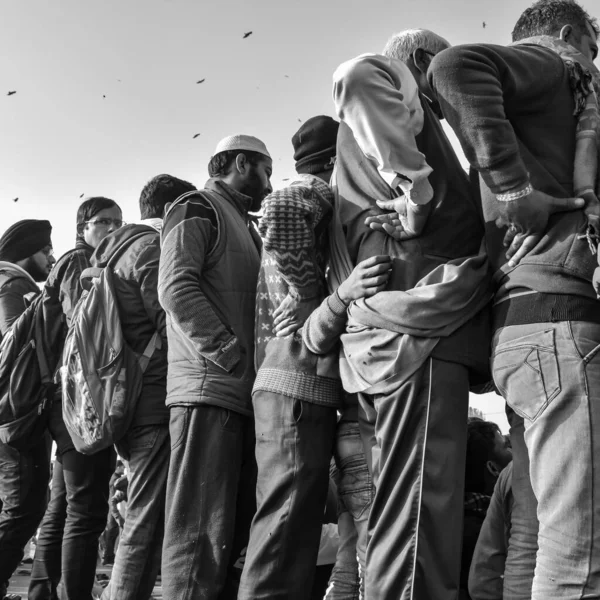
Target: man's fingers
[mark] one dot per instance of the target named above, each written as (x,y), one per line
(379,269)
(529,242)
(387,204)
(565,204)
(288,330)
(375,281)
(374,260)
(509,236)
(374,290)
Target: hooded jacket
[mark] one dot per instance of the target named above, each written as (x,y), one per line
(15,284)
(136,290)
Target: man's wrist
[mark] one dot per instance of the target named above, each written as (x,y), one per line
(517,194)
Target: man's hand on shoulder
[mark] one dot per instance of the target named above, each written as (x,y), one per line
(527,219)
(368,277)
(405,222)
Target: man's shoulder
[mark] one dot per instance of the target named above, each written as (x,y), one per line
(365,65)
(199,204)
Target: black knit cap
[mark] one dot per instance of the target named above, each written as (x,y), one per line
(314,145)
(24,239)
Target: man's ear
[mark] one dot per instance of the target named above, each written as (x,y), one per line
(492,467)
(241,163)
(565,33)
(421,60)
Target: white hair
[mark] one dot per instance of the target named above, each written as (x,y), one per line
(402,45)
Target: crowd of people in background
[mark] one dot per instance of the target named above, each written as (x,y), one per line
(315,346)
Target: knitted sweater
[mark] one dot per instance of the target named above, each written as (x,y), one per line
(294,227)
(512,111)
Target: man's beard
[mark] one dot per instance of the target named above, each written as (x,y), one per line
(37,273)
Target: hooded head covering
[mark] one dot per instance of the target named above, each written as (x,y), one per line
(24,239)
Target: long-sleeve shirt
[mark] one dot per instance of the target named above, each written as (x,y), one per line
(512,111)
(15,285)
(378,98)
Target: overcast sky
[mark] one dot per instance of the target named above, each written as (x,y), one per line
(107,95)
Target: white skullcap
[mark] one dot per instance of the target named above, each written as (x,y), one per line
(241,142)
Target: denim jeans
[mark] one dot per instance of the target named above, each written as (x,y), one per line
(67,545)
(211,498)
(522,547)
(415,443)
(138,558)
(355,490)
(294,444)
(24,494)
(549,374)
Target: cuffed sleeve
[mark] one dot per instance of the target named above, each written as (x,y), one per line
(325,325)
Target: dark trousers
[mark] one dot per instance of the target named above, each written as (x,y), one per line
(211,499)
(294,445)
(76,516)
(23,491)
(138,558)
(415,444)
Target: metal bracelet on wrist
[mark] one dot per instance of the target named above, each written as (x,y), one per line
(510,196)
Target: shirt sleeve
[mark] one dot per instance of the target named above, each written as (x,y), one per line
(378,98)
(478,87)
(188,237)
(287,227)
(323,328)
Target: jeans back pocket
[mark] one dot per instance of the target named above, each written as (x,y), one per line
(526,372)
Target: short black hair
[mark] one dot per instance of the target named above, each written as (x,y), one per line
(89,208)
(546,17)
(160,191)
(220,164)
(481,443)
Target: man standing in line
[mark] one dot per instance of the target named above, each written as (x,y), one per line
(26,259)
(146,445)
(410,352)
(297,392)
(526,117)
(207,285)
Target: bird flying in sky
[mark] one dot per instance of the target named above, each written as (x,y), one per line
(484,24)
(11,92)
(16,200)
(81,196)
(201,81)
(195,136)
(247,34)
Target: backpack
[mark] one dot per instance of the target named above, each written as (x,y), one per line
(26,385)
(101,376)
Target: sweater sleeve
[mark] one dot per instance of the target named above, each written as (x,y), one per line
(188,237)
(478,86)
(377,97)
(287,227)
(325,325)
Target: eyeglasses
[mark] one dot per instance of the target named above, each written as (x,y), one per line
(107,222)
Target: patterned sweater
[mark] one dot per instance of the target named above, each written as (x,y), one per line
(294,231)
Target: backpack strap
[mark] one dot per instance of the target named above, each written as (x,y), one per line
(154,344)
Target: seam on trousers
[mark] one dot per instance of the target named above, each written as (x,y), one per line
(593,523)
(416,551)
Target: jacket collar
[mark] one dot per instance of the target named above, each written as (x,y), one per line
(240,201)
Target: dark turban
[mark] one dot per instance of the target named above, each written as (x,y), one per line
(314,145)
(24,239)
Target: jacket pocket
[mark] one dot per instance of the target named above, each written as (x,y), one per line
(526,372)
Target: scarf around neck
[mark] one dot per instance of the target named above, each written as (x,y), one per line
(584,77)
